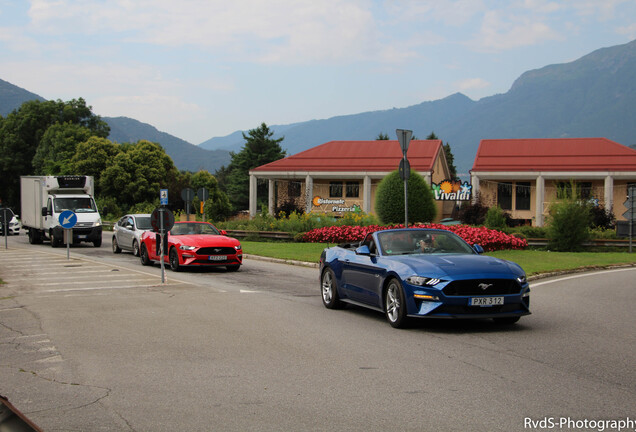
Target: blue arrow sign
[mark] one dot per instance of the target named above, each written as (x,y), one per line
(68,219)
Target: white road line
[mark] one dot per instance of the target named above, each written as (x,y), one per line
(577,276)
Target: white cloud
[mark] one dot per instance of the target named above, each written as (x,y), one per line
(472,84)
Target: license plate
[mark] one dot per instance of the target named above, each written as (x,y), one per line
(217,257)
(81,236)
(486,301)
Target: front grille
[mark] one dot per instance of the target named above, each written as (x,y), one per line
(84,225)
(482,287)
(216,251)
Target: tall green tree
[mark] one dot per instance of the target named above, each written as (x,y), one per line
(382,137)
(217,207)
(22,131)
(259,149)
(57,148)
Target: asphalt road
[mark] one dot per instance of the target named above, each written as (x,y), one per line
(97,342)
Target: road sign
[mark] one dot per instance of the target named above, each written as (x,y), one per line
(187,194)
(404,169)
(6,214)
(68,219)
(203,194)
(163,197)
(404,137)
(630,204)
(161,217)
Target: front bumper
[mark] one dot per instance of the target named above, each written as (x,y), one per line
(80,234)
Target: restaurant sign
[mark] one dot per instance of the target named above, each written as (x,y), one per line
(452,190)
(337,205)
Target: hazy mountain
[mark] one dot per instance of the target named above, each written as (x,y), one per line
(11,97)
(594,96)
(186,156)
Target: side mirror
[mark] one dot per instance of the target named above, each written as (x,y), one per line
(44,211)
(477,248)
(223,232)
(363,250)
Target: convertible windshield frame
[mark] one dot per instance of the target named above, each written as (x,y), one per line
(194,228)
(421,241)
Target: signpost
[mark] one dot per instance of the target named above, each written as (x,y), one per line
(162,220)
(404,138)
(630,214)
(6,215)
(187,195)
(68,219)
(203,195)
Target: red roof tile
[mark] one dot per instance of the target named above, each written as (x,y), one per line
(352,156)
(554,154)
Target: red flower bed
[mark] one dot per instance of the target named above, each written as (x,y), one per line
(489,239)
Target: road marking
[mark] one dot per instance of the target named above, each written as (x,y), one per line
(536,284)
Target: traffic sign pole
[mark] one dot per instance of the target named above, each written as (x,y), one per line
(404,138)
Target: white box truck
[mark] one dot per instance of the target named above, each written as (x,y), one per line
(43,198)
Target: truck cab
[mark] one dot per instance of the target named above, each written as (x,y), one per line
(88,227)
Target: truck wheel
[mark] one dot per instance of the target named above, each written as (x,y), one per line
(55,242)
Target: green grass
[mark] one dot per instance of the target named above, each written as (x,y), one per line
(532,261)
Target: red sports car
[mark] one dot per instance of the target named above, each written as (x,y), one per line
(193,244)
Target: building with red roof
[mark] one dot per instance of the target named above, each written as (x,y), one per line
(341,176)
(524,176)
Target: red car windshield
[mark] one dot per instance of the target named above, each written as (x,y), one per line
(190,228)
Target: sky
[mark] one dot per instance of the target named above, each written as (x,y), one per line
(199,69)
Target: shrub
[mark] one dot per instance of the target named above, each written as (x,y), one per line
(389,199)
(473,213)
(495,218)
(568,226)
(602,218)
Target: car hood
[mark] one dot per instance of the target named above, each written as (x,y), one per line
(204,240)
(462,265)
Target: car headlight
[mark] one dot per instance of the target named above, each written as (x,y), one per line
(522,279)
(186,247)
(238,247)
(422,281)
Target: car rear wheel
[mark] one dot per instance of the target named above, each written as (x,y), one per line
(394,305)
(330,297)
(116,248)
(143,255)
(135,248)
(174,260)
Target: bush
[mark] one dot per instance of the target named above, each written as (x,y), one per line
(568,226)
(389,199)
(495,218)
(602,218)
(473,213)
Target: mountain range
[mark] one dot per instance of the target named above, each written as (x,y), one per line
(594,96)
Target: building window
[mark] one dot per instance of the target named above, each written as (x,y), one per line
(293,189)
(504,196)
(522,196)
(353,190)
(335,190)
(583,190)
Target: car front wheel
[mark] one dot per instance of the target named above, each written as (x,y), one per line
(143,255)
(174,260)
(135,248)
(116,248)
(394,304)
(330,297)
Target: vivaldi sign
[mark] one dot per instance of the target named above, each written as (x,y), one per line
(452,190)
(337,205)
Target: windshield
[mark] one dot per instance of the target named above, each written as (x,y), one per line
(78,205)
(421,241)
(143,222)
(193,228)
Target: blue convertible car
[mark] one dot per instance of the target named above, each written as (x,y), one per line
(424,273)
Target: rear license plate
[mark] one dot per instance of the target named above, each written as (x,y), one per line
(217,257)
(486,301)
(81,236)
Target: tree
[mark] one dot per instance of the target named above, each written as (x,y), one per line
(259,149)
(22,131)
(137,173)
(92,157)
(217,206)
(57,147)
(382,137)
(450,159)
(389,199)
